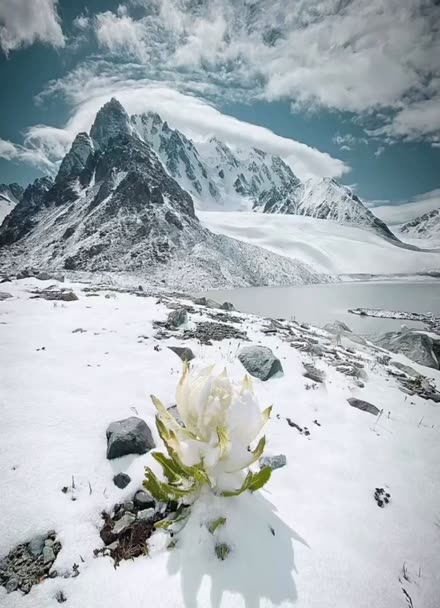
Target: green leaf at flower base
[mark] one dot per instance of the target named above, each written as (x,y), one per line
(217,523)
(161,491)
(169,467)
(253,482)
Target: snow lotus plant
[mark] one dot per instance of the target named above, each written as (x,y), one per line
(210,447)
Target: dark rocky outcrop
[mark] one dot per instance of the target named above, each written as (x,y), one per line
(260,362)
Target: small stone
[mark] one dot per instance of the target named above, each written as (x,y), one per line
(11,585)
(129,436)
(364,406)
(53,574)
(143,500)
(122,524)
(48,555)
(313,373)
(273,462)
(26,586)
(145,514)
(121,480)
(129,506)
(49,542)
(185,353)
(4,295)
(227,306)
(60,597)
(177,317)
(36,546)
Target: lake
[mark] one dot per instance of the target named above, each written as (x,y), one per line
(323,303)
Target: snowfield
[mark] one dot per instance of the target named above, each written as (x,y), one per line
(330,544)
(324,245)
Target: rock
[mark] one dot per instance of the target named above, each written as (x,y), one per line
(206,331)
(122,524)
(227,306)
(337,327)
(43,276)
(60,597)
(4,295)
(48,555)
(68,296)
(175,413)
(273,462)
(121,480)
(145,514)
(129,436)
(183,352)
(177,317)
(36,545)
(143,500)
(49,543)
(260,362)
(364,406)
(418,347)
(313,373)
(11,585)
(207,302)
(406,368)
(129,505)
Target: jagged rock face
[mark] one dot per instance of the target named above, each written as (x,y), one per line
(24,215)
(426,226)
(111,121)
(10,195)
(75,160)
(324,199)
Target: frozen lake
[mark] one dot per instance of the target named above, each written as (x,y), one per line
(321,304)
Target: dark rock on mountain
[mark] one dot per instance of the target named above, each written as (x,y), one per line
(111,121)
(425,226)
(418,347)
(365,406)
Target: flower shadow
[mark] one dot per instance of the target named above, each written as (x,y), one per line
(260,569)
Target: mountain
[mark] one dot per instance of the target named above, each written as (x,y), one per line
(222,177)
(114,207)
(426,226)
(217,176)
(324,198)
(10,194)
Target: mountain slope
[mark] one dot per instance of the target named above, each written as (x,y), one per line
(10,195)
(114,207)
(324,199)
(426,226)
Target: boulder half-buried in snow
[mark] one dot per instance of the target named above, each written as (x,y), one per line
(260,362)
(364,406)
(129,436)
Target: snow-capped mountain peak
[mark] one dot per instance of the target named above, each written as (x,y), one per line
(10,195)
(426,226)
(111,120)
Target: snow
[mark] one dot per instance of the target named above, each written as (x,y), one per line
(332,546)
(402,213)
(324,245)
(7,203)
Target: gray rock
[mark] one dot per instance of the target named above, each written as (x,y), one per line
(4,295)
(183,352)
(207,302)
(11,585)
(418,347)
(122,524)
(177,317)
(337,328)
(145,514)
(406,368)
(364,406)
(48,555)
(143,500)
(36,546)
(273,462)
(121,480)
(129,505)
(227,306)
(43,276)
(49,543)
(260,362)
(129,436)
(313,373)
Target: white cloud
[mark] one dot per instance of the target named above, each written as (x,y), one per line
(82,22)
(120,34)
(86,92)
(23,154)
(348,141)
(405,211)
(23,22)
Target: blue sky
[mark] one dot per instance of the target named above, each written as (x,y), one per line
(340,88)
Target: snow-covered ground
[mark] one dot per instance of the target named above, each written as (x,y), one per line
(331,544)
(325,245)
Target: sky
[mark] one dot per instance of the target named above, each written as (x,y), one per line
(338,88)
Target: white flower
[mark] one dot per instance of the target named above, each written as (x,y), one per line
(221,421)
